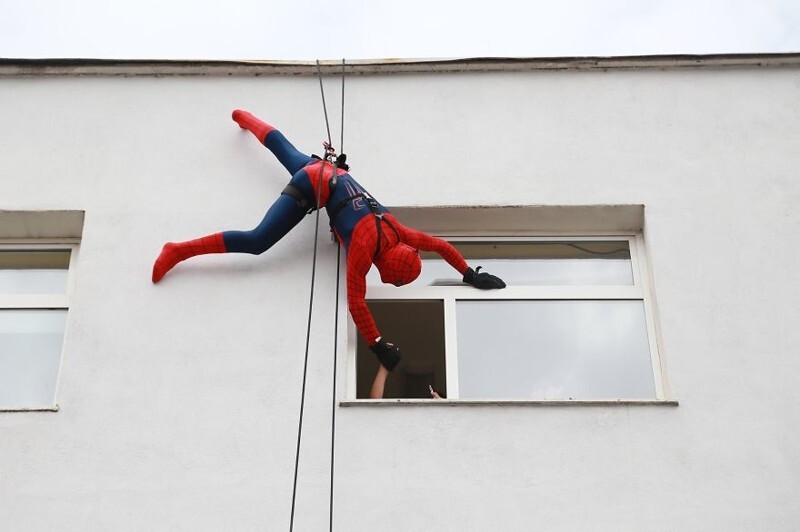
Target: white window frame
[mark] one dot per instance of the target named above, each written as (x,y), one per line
(59,301)
(640,290)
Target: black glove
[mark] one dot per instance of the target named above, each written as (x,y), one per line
(483,280)
(388,354)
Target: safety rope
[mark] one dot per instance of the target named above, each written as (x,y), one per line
(327,158)
(336,328)
(333,392)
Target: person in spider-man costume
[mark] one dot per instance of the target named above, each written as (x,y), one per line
(369,233)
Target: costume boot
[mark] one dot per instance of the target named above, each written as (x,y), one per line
(174,252)
(256,126)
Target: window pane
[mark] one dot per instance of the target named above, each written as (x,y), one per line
(30,354)
(34,272)
(553,350)
(534,263)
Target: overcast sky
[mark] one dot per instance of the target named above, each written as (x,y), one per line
(362,29)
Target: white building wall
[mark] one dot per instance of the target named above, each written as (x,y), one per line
(179,401)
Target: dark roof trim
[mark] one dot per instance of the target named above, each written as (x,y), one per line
(144,67)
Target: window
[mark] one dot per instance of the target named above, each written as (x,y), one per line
(37,254)
(575,323)
(34,283)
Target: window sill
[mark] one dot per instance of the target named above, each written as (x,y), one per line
(53,408)
(505,402)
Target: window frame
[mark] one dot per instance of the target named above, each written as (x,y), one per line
(640,290)
(51,301)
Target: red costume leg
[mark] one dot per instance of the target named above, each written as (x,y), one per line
(174,252)
(256,126)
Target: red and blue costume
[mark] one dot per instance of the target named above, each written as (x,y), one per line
(369,233)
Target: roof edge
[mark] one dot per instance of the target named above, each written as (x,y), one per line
(148,67)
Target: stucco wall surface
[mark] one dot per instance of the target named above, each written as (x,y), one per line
(179,401)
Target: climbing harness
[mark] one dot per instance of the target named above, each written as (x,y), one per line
(372,203)
(337,162)
(378,219)
(373,206)
(301,199)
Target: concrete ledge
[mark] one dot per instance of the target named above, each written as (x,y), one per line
(502,402)
(41,224)
(524,219)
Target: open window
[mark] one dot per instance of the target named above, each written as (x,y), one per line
(575,323)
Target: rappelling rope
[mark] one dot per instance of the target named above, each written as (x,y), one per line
(336,329)
(327,158)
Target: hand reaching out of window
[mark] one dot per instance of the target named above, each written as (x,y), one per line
(379,384)
(376,392)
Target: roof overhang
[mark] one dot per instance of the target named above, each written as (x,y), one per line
(143,67)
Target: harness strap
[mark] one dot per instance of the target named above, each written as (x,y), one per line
(294,192)
(373,205)
(336,209)
(378,218)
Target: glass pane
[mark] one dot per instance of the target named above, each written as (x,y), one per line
(553,350)
(34,272)
(30,354)
(534,263)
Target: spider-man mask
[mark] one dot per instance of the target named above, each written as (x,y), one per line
(399,264)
